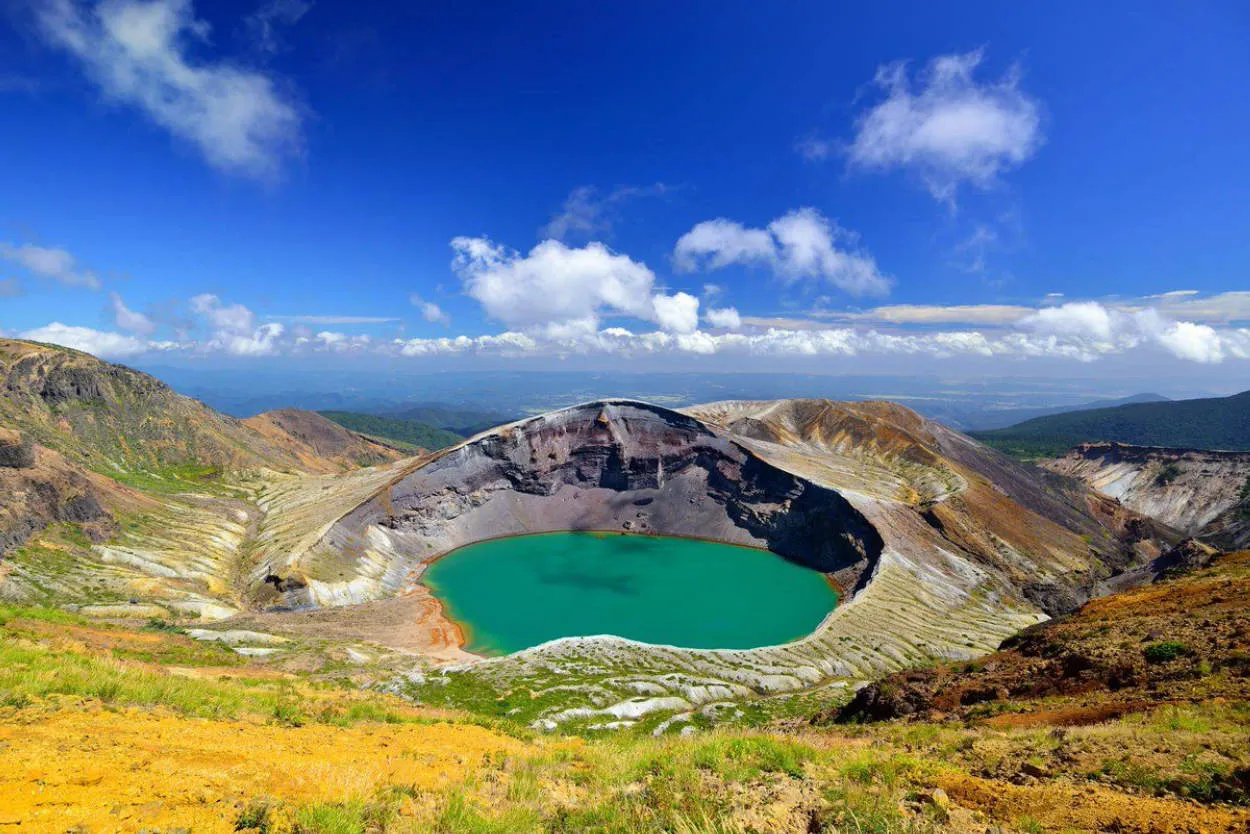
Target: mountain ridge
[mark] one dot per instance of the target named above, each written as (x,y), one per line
(1210,423)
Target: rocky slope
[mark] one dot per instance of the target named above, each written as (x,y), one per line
(319,444)
(116,420)
(1205,494)
(1186,638)
(115,490)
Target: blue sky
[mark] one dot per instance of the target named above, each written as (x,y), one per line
(973,188)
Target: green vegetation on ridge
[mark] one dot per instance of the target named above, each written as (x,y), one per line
(1213,423)
(406,432)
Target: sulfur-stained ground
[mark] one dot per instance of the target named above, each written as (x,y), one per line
(133,769)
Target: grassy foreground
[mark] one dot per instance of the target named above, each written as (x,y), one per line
(108,728)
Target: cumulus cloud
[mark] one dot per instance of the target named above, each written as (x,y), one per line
(801,245)
(96,342)
(138,52)
(564,290)
(1081,319)
(53,263)
(1098,329)
(724,318)
(947,126)
(234,328)
(678,313)
(430,311)
(128,319)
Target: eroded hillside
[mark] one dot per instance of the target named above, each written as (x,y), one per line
(1205,494)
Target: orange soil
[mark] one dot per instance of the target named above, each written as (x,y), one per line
(1062,806)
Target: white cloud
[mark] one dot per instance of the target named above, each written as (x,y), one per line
(563,290)
(430,311)
(799,245)
(128,319)
(724,318)
(1183,339)
(139,52)
(234,329)
(96,342)
(1080,319)
(677,313)
(984,314)
(1098,329)
(233,318)
(54,263)
(949,128)
(336,342)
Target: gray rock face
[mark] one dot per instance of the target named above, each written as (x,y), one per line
(611,465)
(1200,492)
(16,451)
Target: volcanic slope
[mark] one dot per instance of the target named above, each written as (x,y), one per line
(1205,494)
(123,496)
(943,547)
(116,420)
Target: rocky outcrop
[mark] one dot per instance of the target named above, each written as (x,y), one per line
(37,495)
(1204,494)
(16,451)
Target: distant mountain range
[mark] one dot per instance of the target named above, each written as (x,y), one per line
(987,419)
(1210,423)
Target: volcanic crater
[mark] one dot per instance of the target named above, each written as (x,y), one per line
(614,465)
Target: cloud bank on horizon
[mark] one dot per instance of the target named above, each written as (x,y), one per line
(946,124)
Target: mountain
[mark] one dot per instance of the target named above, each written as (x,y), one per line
(1201,493)
(940,546)
(410,433)
(94,453)
(115,420)
(991,418)
(1211,423)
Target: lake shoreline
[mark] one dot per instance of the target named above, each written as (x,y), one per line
(461,624)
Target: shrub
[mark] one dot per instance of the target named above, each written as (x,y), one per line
(1167,473)
(1164,651)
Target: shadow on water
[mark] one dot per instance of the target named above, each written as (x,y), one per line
(623,584)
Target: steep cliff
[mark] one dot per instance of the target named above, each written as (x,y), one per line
(1205,494)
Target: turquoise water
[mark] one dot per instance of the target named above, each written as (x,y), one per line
(511,594)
